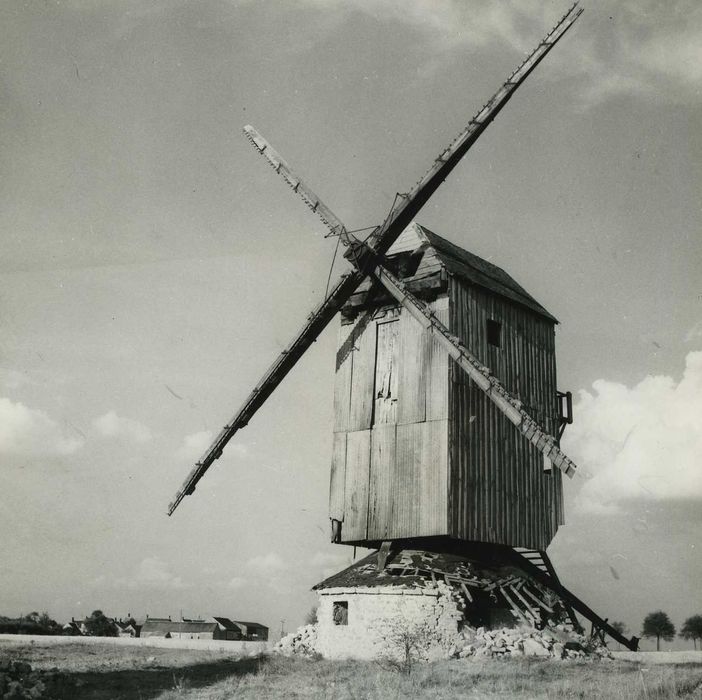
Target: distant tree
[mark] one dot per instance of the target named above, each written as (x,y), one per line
(621,628)
(100,626)
(657,624)
(692,629)
(47,624)
(311,617)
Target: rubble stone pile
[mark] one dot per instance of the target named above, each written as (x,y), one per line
(302,642)
(551,642)
(18,680)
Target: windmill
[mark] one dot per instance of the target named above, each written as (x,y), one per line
(447,417)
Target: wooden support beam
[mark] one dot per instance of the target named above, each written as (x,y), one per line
(514,607)
(383,554)
(569,599)
(527,605)
(536,599)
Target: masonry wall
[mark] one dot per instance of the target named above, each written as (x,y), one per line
(378,617)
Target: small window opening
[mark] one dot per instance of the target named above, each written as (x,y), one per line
(341,612)
(404,264)
(494,332)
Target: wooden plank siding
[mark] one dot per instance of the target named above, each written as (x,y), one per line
(382,482)
(356,485)
(386,372)
(390,463)
(420,451)
(362,376)
(498,490)
(337,481)
(414,348)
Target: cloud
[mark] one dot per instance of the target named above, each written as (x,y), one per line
(448,23)
(632,47)
(330,563)
(111,425)
(153,572)
(12,379)
(236,583)
(29,431)
(640,444)
(694,333)
(194,446)
(646,48)
(266,564)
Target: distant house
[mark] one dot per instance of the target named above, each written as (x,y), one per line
(78,628)
(228,629)
(72,629)
(184,629)
(238,630)
(252,631)
(127,628)
(212,628)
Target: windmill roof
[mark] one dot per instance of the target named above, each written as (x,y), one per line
(476,270)
(414,568)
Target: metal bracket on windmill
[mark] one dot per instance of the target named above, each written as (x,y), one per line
(379,242)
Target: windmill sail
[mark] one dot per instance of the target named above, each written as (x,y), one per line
(476,370)
(378,243)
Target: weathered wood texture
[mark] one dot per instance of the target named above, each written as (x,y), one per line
(420,450)
(498,491)
(390,455)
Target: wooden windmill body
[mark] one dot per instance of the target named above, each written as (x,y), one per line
(447,417)
(419,450)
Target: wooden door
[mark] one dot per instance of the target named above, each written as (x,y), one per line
(386,366)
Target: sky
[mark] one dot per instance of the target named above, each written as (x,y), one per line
(153,266)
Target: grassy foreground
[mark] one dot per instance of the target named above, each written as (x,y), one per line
(114,673)
(526,678)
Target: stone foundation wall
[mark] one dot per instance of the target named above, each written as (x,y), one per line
(382,621)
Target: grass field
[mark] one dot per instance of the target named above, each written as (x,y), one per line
(105,671)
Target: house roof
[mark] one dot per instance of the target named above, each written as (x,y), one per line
(251,624)
(468,267)
(226,623)
(158,625)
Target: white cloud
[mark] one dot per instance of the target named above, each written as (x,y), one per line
(12,379)
(694,333)
(330,563)
(450,22)
(236,583)
(153,572)
(266,564)
(111,425)
(647,48)
(195,445)
(643,443)
(29,431)
(634,47)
